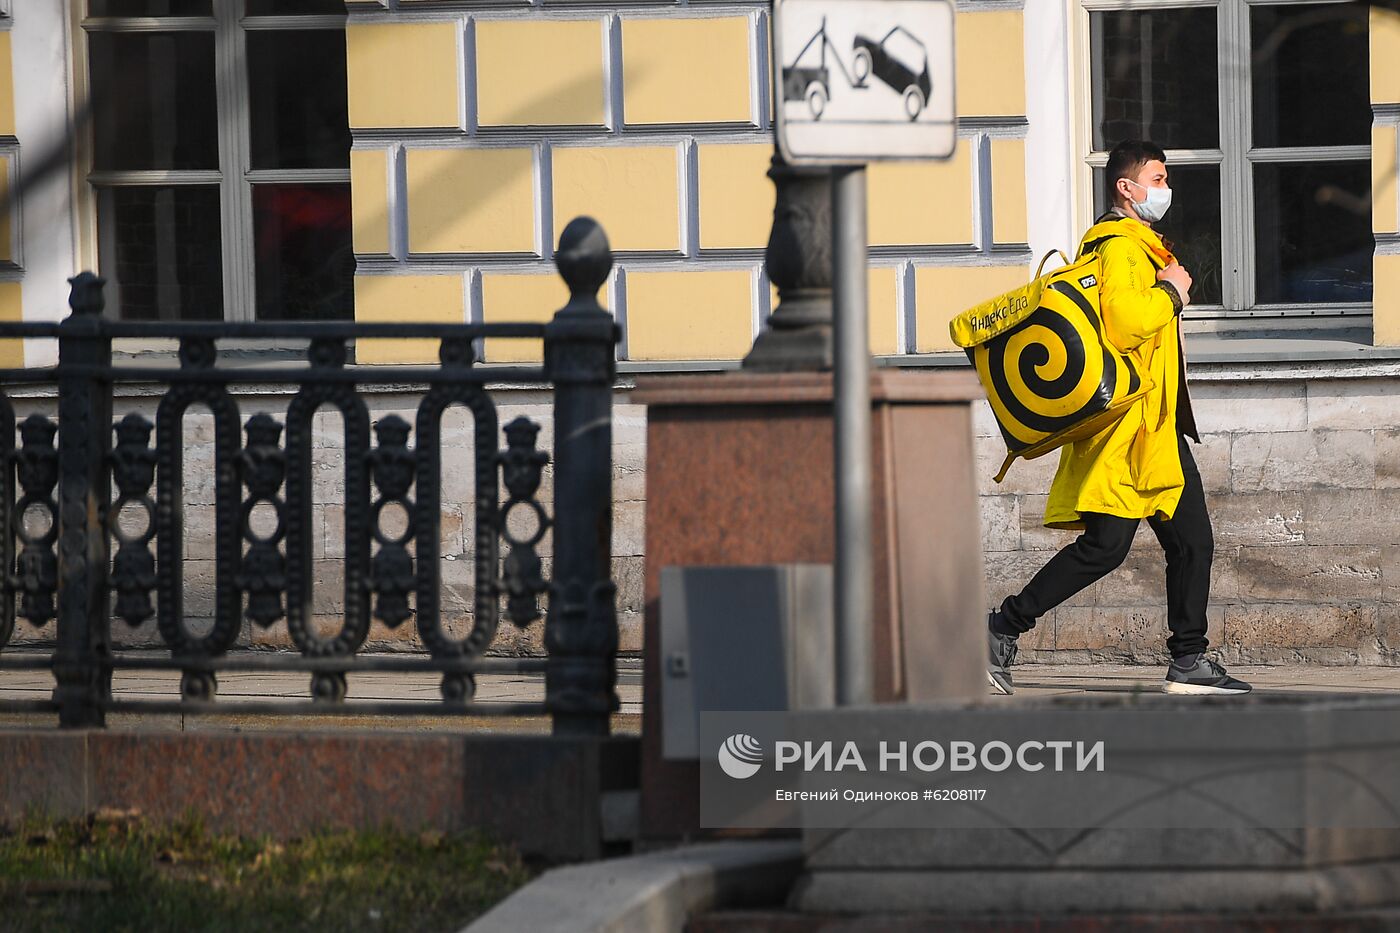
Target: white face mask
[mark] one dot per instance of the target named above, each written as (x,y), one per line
(1153,207)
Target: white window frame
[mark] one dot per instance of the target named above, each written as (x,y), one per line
(1236,156)
(235,175)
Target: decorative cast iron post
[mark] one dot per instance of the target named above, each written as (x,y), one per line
(581,626)
(798,335)
(81,663)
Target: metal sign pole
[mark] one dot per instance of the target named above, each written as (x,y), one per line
(855,673)
(858,81)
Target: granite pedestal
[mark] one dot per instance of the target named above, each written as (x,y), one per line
(740,472)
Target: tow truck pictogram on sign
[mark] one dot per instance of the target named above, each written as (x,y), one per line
(813,84)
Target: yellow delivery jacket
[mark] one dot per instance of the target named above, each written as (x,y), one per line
(1131,469)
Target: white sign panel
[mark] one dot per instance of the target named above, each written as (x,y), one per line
(864,80)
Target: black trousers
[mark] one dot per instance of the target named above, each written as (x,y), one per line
(1186,539)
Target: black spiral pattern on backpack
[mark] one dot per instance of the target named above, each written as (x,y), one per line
(1013,379)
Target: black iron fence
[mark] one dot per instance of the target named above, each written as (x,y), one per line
(67,557)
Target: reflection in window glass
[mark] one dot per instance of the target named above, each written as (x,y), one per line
(1313,232)
(1300,95)
(150,8)
(296,7)
(1191,228)
(298,109)
(153,103)
(305,262)
(160,251)
(1156,77)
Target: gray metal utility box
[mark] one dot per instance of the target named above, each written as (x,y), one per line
(743,638)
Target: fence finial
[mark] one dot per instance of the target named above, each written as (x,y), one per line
(584,259)
(86,296)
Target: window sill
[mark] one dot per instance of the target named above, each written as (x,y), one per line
(1221,358)
(1211,357)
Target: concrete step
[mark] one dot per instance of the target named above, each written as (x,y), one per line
(755,921)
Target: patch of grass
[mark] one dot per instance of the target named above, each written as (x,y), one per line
(115,872)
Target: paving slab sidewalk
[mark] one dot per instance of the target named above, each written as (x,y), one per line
(1032,681)
(1041,680)
(367,686)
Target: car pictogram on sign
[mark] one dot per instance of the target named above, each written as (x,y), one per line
(900,61)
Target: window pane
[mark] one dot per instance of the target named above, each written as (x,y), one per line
(299,115)
(305,263)
(1155,77)
(153,100)
(150,8)
(1192,226)
(1312,224)
(296,7)
(159,249)
(1311,75)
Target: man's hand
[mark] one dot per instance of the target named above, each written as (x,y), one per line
(1180,280)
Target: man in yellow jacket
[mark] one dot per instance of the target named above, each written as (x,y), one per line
(1140,467)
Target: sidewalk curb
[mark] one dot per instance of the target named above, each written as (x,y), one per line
(653,893)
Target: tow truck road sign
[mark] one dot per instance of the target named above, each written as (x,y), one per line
(864,80)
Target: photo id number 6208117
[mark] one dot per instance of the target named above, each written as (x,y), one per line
(949,794)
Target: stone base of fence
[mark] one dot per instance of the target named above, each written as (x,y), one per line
(1301,466)
(554,797)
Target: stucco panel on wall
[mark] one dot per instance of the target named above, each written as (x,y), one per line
(398,298)
(403,75)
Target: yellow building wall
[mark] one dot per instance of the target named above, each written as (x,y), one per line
(512,88)
(946,291)
(11,351)
(736,195)
(689,315)
(991,63)
(369,200)
(514,299)
(471,200)
(685,70)
(6,242)
(1385,217)
(917,203)
(1386,301)
(1385,56)
(403,74)
(633,191)
(1008,190)
(654,120)
(882,299)
(434,299)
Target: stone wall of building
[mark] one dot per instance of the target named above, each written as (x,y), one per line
(1301,466)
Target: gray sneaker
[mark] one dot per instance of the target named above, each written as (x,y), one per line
(1198,675)
(1001,655)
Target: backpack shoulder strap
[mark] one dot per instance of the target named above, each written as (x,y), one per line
(1092,246)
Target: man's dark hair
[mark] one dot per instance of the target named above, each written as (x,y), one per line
(1126,160)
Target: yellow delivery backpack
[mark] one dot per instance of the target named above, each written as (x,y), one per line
(1049,370)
